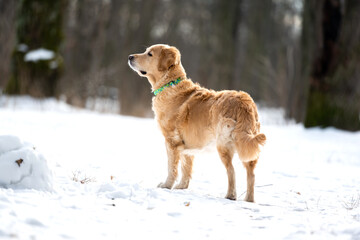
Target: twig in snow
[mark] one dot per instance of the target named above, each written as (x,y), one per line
(353,203)
(266,185)
(82,179)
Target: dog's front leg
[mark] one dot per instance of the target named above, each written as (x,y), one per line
(173,161)
(186,169)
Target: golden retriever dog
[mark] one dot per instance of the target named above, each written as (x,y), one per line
(192,117)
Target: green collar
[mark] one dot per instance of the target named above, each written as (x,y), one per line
(172,83)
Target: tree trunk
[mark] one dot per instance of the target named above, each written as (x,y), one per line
(38,25)
(333,73)
(135,92)
(218,44)
(7,38)
(226,29)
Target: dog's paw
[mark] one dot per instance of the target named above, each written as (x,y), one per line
(164,185)
(231,196)
(182,186)
(249,199)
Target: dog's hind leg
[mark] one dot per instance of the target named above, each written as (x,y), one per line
(226,154)
(248,148)
(186,169)
(250,166)
(226,150)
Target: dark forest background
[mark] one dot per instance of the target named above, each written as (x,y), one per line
(301,55)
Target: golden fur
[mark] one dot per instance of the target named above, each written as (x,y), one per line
(191,117)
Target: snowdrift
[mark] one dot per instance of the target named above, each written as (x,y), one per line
(22,167)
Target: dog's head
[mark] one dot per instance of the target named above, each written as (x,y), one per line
(155,62)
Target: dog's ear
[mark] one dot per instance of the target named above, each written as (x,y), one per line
(169,57)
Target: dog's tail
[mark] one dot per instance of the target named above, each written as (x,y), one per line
(248,145)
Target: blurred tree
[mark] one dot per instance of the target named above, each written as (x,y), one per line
(266,59)
(135,94)
(331,61)
(38,26)
(218,39)
(83,50)
(7,38)
(226,38)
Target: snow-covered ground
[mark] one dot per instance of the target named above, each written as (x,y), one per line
(104,175)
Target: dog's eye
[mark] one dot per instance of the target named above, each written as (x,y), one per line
(149,54)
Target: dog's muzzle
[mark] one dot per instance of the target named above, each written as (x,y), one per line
(130,62)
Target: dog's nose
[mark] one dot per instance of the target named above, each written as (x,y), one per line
(131,57)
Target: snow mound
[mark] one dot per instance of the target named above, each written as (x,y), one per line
(9,143)
(21,166)
(39,54)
